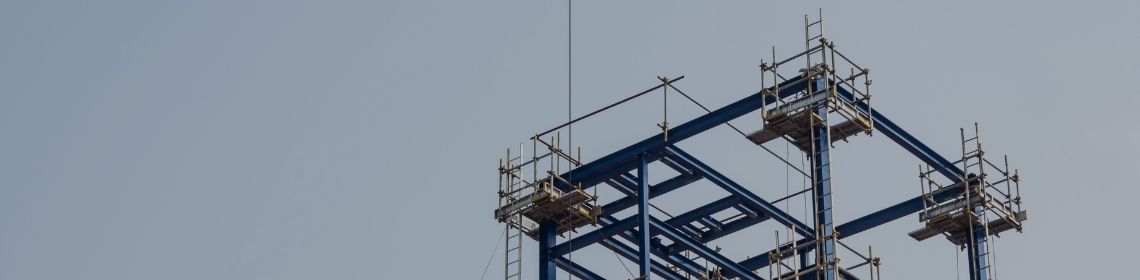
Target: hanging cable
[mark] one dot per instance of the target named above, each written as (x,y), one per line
(690,98)
(957,266)
(496,250)
(631,276)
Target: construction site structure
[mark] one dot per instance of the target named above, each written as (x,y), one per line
(811,100)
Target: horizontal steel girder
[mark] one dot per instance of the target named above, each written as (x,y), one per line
(904,139)
(624,160)
(658,250)
(576,270)
(732,268)
(902,209)
(630,253)
(683,158)
(654,191)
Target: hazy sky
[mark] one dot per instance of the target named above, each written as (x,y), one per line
(359,139)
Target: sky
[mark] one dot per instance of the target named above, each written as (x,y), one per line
(359,139)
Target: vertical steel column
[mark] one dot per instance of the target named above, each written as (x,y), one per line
(821,161)
(643,214)
(976,249)
(547,238)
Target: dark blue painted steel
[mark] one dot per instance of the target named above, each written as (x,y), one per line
(652,149)
(907,141)
(733,269)
(821,177)
(910,206)
(683,158)
(643,214)
(976,251)
(870,221)
(631,254)
(577,270)
(595,236)
(704,211)
(546,237)
(731,227)
(623,160)
(654,191)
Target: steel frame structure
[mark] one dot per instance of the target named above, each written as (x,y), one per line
(661,244)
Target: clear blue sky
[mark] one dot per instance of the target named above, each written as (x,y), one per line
(359,139)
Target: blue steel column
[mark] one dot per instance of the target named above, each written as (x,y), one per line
(643,214)
(547,238)
(821,159)
(977,250)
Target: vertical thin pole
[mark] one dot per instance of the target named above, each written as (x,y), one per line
(569,82)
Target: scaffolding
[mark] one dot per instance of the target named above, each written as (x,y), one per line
(989,204)
(812,99)
(524,202)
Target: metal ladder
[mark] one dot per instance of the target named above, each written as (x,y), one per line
(822,238)
(511,183)
(971,157)
(512,258)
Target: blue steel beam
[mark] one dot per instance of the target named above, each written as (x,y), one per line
(623,160)
(595,236)
(618,227)
(733,269)
(631,254)
(655,191)
(861,224)
(643,216)
(547,234)
(821,179)
(625,224)
(577,270)
(902,209)
(904,139)
(704,211)
(683,158)
(613,182)
(977,251)
(729,228)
